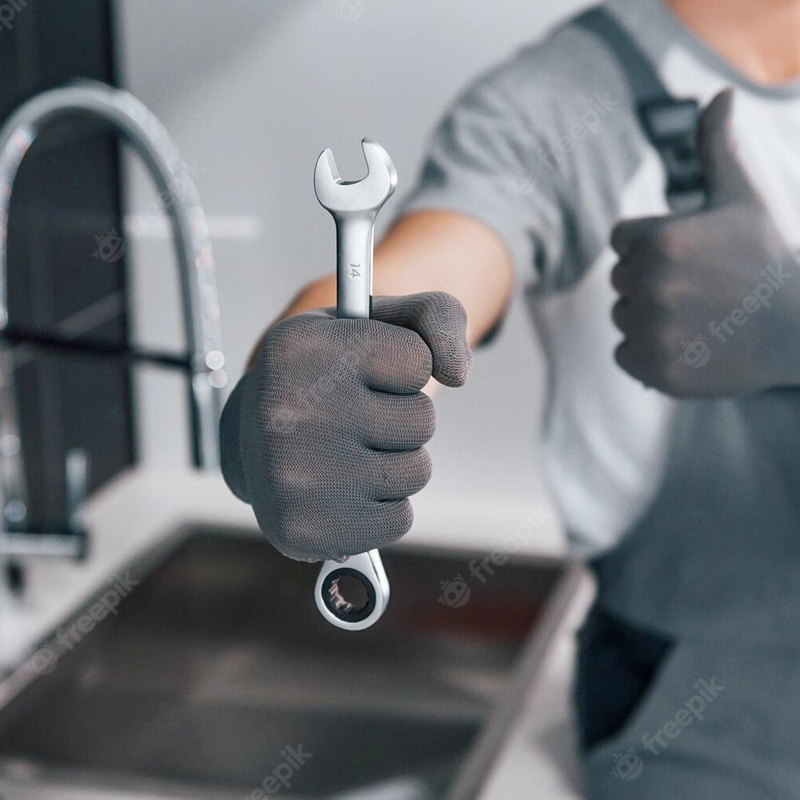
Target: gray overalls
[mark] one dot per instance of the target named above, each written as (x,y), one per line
(689,664)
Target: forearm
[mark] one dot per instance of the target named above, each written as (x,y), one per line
(432,251)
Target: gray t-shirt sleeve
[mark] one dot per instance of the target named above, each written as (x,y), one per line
(486,161)
(539,150)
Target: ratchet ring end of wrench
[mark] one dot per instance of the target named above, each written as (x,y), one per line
(367,568)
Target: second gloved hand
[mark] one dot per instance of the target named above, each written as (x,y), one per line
(710,302)
(324,435)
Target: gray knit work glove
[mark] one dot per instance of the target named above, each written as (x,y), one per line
(324,435)
(710,302)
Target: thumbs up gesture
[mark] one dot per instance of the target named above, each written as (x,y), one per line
(709,303)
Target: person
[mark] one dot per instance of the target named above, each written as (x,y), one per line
(671,440)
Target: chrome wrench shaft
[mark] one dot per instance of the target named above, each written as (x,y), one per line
(354,206)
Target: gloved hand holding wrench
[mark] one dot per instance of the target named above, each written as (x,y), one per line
(325,435)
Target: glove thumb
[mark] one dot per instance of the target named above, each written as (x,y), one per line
(441,322)
(726,177)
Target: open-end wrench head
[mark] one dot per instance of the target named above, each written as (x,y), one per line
(365,195)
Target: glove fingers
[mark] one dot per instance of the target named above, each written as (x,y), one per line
(630,232)
(393,422)
(316,535)
(399,475)
(441,321)
(632,317)
(628,279)
(395,360)
(383,524)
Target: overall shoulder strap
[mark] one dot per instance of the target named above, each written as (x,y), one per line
(670,124)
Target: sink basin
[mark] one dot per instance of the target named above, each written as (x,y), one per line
(218,675)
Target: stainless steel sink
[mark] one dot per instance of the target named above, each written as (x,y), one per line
(218,661)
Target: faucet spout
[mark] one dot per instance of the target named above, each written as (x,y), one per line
(174,181)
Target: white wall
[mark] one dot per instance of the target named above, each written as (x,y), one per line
(252,91)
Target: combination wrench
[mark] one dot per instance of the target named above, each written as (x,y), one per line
(354,206)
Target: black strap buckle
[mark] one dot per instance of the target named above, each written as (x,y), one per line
(671,125)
